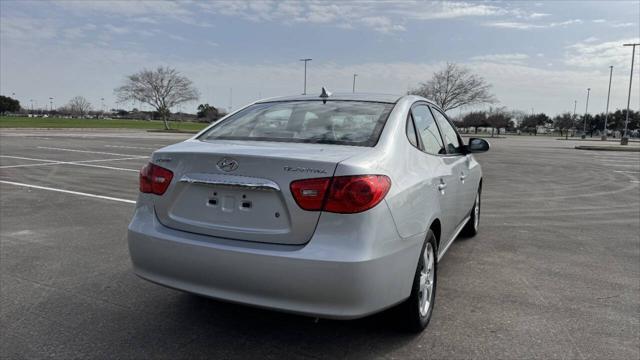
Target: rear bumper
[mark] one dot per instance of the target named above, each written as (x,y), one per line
(359,277)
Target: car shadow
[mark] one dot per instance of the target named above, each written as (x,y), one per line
(250,331)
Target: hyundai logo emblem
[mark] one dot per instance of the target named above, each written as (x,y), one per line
(227,164)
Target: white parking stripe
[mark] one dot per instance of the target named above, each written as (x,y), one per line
(69,192)
(26,158)
(130,147)
(85,151)
(78,163)
(104,167)
(626,172)
(619,160)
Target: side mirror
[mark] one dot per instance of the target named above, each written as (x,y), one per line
(477,145)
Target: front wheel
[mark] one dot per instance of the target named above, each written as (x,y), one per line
(472,226)
(417,309)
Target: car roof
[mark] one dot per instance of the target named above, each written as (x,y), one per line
(384,98)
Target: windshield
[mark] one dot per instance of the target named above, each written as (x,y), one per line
(334,122)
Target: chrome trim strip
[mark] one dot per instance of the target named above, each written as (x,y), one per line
(453,238)
(230,180)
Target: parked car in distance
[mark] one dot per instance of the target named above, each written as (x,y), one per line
(336,206)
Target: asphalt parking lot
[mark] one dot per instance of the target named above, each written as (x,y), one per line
(554,272)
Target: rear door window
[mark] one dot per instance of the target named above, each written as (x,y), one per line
(449,134)
(411,132)
(427,129)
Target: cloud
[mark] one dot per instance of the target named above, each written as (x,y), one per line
(144,11)
(116,30)
(627,24)
(538,15)
(381,16)
(178,37)
(526,25)
(515,58)
(143,8)
(445,10)
(615,24)
(19,28)
(588,53)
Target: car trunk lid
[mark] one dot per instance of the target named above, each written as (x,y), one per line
(240,189)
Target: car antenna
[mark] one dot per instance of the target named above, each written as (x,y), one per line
(325,95)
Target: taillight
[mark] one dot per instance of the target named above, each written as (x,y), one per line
(310,193)
(154,179)
(341,194)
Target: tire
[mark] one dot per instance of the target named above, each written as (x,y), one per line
(415,312)
(473,225)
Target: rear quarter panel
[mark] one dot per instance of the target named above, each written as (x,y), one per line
(413,198)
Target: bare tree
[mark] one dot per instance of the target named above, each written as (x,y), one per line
(455,86)
(78,106)
(162,89)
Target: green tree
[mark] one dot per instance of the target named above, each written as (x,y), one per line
(499,120)
(475,119)
(564,122)
(530,123)
(8,104)
(208,113)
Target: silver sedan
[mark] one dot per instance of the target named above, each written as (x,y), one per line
(333,206)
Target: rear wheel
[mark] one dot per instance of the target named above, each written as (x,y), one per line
(417,309)
(472,226)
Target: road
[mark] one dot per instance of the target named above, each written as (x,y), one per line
(554,272)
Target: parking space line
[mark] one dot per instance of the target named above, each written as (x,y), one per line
(78,163)
(26,158)
(104,167)
(85,151)
(130,147)
(619,160)
(68,192)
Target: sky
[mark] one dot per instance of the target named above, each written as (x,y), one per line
(538,55)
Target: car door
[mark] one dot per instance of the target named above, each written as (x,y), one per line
(431,143)
(459,162)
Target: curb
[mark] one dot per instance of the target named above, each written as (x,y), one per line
(609,148)
(174,131)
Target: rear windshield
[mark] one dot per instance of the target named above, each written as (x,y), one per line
(334,122)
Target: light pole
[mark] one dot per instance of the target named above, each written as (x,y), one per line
(306,60)
(625,137)
(606,113)
(354,82)
(573,118)
(586,109)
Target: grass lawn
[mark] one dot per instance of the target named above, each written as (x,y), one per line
(26,122)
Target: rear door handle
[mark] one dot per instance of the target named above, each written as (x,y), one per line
(442,185)
(463,176)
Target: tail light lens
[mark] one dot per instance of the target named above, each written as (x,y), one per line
(154,179)
(310,193)
(341,194)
